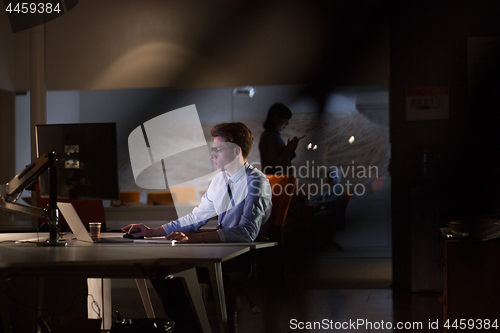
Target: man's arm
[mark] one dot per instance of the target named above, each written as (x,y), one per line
(195,237)
(194,220)
(141,230)
(243,222)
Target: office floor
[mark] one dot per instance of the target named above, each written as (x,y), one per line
(325,286)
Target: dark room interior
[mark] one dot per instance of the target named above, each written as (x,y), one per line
(420,246)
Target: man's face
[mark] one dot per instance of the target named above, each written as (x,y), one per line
(223,153)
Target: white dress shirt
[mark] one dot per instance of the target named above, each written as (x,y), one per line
(240,221)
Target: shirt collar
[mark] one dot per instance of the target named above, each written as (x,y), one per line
(240,173)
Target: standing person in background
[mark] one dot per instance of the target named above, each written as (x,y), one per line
(276,156)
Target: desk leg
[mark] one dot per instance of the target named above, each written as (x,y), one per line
(146,300)
(218,290)
(193,287)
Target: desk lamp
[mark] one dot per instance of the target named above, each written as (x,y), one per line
(10,193)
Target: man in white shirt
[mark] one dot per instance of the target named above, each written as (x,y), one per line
(240,195)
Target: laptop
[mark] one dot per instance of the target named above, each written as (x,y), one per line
(79,230)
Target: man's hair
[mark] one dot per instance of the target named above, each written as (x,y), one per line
(237,133)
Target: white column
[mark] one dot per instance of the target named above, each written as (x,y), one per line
(38,98)
(99,301)
(38,113)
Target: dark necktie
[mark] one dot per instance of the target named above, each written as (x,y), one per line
(228,201)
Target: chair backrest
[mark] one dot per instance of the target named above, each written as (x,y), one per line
(282,187)
(130,197)
(160,198)
(183,194)
(340,218)
(88,210)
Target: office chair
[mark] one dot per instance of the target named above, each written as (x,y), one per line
(339,220)
(282,187)
(160,198)
(130,198)
(331,218)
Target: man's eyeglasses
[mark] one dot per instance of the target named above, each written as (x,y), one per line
(217,150)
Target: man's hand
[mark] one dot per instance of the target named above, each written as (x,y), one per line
(141,230)
(198,237)
(181,237)
(292,144)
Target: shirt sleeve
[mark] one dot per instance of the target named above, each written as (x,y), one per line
(256,209)
(196,219)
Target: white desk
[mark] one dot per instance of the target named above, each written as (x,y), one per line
(121,261)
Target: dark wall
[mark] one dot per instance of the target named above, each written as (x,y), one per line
(429,48)
(7,133)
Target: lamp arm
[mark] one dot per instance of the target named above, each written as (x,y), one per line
(24,209)
(9,193)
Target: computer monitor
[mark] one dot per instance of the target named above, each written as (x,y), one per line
(86,160)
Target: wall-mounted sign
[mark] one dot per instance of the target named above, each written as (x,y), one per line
(427,103)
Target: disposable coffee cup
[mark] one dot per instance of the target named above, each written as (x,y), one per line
(95,229)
